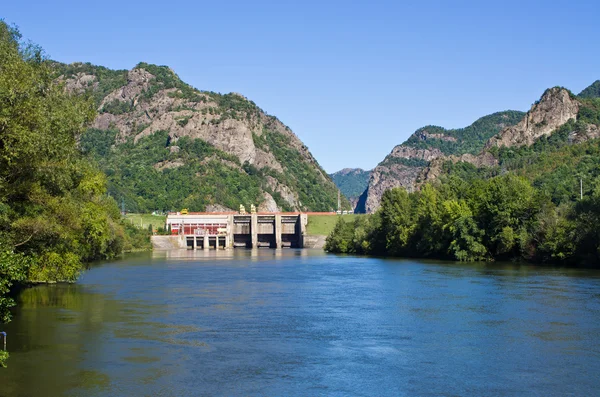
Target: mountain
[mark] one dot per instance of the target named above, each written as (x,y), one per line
(532,193)
(402,167)
(593,91)
(166,145)
(351,182)
(551,145)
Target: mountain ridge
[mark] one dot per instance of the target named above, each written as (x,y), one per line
(251,157)
(558,107)
(405,163)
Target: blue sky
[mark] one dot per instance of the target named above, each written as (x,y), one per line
(351,78)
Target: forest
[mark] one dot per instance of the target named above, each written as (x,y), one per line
(501,218)
(55,214)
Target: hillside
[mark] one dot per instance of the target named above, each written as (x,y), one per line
(351,182)
(558,113)
(403,166)
(166,145)
(593,91)
(532,193)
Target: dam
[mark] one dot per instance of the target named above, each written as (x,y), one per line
(202,230)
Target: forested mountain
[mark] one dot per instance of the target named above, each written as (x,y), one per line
(351,182)
(166,145)
(532,193)
(593,91)
(402,167)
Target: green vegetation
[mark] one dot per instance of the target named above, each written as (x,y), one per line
(351,182)
(305,178)
(106,81)
(527,208)
(117,107)
(145,221)
(502,218)
(54,210)
(323,225)
(149,176)
(593,91)
(157,174)
(470,139)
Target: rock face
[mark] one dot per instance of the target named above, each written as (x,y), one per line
(150,99)
(421,156)
(400,168)
(554,109)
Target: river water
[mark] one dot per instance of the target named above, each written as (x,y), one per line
(298,322)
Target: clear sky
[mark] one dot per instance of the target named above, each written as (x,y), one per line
(351,78)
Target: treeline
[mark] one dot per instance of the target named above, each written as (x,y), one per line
(470,139)
(501,218)
(55,214)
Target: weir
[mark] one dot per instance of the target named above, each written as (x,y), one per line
(231,230)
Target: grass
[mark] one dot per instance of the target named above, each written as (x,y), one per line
(143,220)
(324,224)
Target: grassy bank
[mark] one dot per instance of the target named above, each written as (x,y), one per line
(324,224)
(142,221)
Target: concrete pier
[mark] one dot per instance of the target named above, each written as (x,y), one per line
(229,230)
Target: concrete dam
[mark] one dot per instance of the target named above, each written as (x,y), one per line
(232,230)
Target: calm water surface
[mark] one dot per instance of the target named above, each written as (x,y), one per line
(282,323)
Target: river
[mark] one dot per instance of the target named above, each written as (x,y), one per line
(299,322)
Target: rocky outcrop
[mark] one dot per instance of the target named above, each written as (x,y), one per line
(401,168)
(286,193)
(589,132)
(268,204)
(423,135)
(80,82)
(555,108)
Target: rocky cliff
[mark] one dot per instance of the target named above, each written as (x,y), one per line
(209,137)
(406,165)
(555,108)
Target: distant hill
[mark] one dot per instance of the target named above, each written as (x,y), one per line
(593,91)
(351,181)
(166,145)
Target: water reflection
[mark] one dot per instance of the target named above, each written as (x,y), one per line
(297,322)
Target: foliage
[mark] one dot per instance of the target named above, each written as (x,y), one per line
(470,139)
(503,217)
(593,91)
(107,80)
(154,173)
(54,211)
(408,162)
(117,107)
(351,182)
(306,178)
(195,175)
